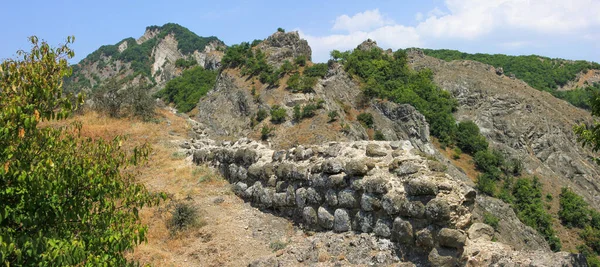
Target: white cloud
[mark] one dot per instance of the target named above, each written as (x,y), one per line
(419,16)
(364,21)
(468,20)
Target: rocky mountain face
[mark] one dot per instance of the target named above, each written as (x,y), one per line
(521,121)
(156,57)
(401,189)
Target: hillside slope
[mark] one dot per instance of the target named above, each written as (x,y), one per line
(156,57)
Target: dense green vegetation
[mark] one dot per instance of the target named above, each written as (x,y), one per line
(278,114)
(542,73)
(252,62)
(66,200)
(389,77)
(468,138)
(575,212)
(185,63)
(185,90)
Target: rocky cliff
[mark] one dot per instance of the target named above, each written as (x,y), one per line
(385,189)
(521,121)
(325,176)
(151,58)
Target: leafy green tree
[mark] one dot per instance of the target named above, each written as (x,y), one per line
(366,119)
(66,200)
(487,161)
(469,139)
(574,210)
(333,115)
(589,134)
(278,114)
(186,90)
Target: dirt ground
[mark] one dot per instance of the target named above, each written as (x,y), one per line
(229,232)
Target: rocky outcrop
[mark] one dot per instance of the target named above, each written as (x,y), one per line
(161,60)
(283,46)
(385,189)
(523,122)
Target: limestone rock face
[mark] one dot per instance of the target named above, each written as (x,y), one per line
(283,46)
(162,57)
(523,122)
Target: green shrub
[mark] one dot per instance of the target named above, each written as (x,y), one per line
(261,115)
(490,220)
(573,210)
(299,83)
(297,113)
(280,30)
(300,60)
(265,132)
(308,111)
(183,216)
(469,139)
(366,119)
(278,114)
(530,209)
(487,161)
(333,115)
(317,70)
(379,136)
(183,63)
(186,90)
(456,152)
(486,183)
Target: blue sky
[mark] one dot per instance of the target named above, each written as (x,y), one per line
(566,29)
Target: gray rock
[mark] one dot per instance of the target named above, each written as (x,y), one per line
(325,218)
(451,238)
(375,185)
(301,197)
(239,189)
(424,239)
(313,197)
(332,166)
(369,202)
(481,230)
(266,197)
(364,221)
(310,216)
(442,257)
(402,231)
(356,167)
(407,168)
(392,203)
(382,228)
(279,155)
(421,187)
(341,220)
(331,198)
(438,210)
(280,200)
(374,150)
(413,209)
(290,196)
(337,180)
(346,199)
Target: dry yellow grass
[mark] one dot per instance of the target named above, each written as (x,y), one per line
(218,240)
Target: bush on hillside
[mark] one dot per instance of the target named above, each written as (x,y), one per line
(278,114)
(366,119)
(186,90)
(469,139)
